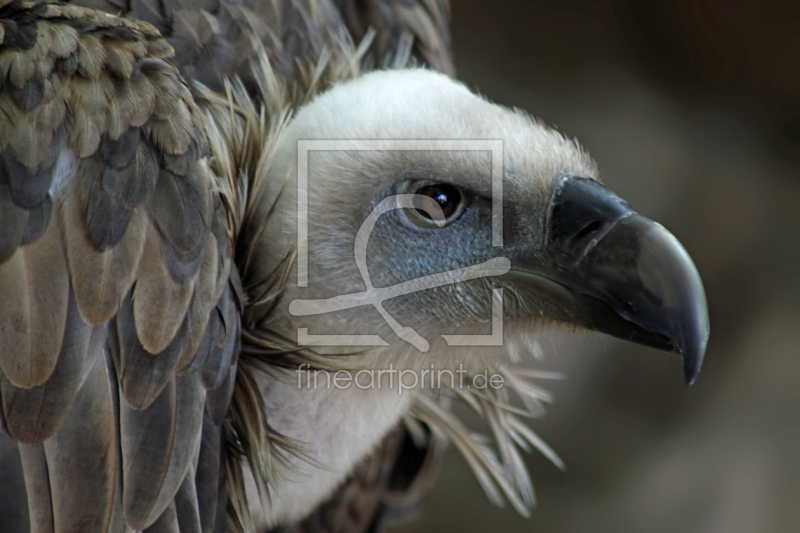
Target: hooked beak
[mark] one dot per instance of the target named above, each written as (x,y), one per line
(608,269)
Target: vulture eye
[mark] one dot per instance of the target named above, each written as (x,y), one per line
(429,197)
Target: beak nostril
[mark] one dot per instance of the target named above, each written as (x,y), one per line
(588,229)
(580,207)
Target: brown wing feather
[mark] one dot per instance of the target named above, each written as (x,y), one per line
(34,286)
(218,38)
(34,414)
(109,222)
(213,39)
(82,458)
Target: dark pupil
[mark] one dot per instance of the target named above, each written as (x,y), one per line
(446,196)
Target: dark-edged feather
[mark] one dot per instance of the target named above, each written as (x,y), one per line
(105,216)
(160,302)
(219,360)
(33,296)
(158,444)
(207,475)
(181,208)
(187,505)
(208,343)
(84,453)
(143,375)
(34,414)
(101,279)
(201,308)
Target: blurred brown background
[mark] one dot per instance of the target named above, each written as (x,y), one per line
(692,110)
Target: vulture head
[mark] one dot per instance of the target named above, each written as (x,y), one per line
(409,243)
(565,249)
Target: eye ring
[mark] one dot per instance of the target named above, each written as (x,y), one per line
(431,197)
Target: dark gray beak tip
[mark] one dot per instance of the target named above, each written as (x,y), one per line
(695,348)
(692,338)
(669,298)
(691,367)
(693,356)
(669,273)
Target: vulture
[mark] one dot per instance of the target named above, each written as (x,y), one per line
(240,238)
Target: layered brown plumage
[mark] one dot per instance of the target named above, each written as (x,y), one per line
(121,299)
(112,237)
(214,39)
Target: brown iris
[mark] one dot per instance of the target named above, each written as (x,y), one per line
(441,195)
